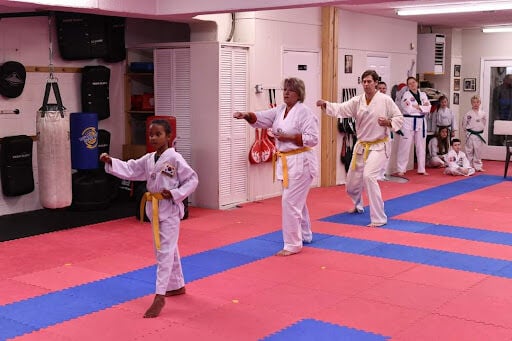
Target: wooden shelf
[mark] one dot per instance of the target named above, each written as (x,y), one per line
(140,74)
(141,112)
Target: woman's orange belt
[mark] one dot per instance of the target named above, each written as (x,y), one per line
(283,156)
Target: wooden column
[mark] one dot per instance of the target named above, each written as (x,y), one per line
(329,130)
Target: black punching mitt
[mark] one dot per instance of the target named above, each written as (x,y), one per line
(12,79)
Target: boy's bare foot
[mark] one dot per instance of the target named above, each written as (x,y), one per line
(284,253)
(376,224)
(356,210)
(156,307)
(176,292)
(480,170)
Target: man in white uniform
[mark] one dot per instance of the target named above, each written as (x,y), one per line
(375,114)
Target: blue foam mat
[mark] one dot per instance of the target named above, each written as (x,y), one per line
(310,329)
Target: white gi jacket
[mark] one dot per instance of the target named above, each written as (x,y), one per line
(367,128)
(170,172)
(407,105)
(300,120)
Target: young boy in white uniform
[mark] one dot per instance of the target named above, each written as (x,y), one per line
(474,123)
(169,180)
(375,114)
(457,162)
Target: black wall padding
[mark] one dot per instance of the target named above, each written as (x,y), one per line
(116,49)
(81,36)
(16,165)
(95,90)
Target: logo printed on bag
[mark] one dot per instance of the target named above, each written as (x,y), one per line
(89,137)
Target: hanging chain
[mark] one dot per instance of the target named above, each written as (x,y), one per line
(50,47)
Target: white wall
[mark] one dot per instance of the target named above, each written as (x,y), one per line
(270,32)
(362,35)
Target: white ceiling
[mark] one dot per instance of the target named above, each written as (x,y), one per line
(374,7)
(457,20)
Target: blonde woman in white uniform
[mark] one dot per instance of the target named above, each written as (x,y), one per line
(415,106)
(376,114)
(295,128)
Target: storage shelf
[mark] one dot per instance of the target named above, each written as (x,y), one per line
(140,74)
(141,112)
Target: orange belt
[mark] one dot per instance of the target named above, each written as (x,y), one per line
(154,197)
(366,146)
(283,156)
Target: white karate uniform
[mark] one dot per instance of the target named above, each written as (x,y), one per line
(173,173)
(444,117)
(455,161)
(365,173)
(474,123)
(302,168)
(414,130)
(434,159)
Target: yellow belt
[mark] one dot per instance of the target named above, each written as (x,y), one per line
(366,146)
(154,197)
(283,156)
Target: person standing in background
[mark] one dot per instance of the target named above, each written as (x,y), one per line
(474,123)
(414,105)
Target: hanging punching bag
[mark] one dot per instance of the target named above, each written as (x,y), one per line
(53,151)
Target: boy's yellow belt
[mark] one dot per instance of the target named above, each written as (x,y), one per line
(366,145)
(154,197)
(283,156)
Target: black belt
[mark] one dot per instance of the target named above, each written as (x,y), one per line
(415,117)
(477,133)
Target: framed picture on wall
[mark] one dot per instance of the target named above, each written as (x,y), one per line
(469,84)
(348,63)
(456,71)
(456,98)
(456,84)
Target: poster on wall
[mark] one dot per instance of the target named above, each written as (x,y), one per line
(469,84)
(456,71)
(456,98)
(456,84)
(348,63)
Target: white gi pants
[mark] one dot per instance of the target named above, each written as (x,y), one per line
(456,171)
(404,146)
(295,215)
(473,148)
(365,176)
(169,275)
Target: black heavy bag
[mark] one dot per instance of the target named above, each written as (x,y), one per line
(12,79)
(95,90)
(16,165)
(81,36)
(116,49)
(53,151)
(103,145)
(91,190)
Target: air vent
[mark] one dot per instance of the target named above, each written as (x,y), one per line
(431,53)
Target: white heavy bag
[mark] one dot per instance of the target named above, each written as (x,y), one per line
(53,152)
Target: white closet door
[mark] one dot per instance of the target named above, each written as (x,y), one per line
(233,92)
(172,93)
